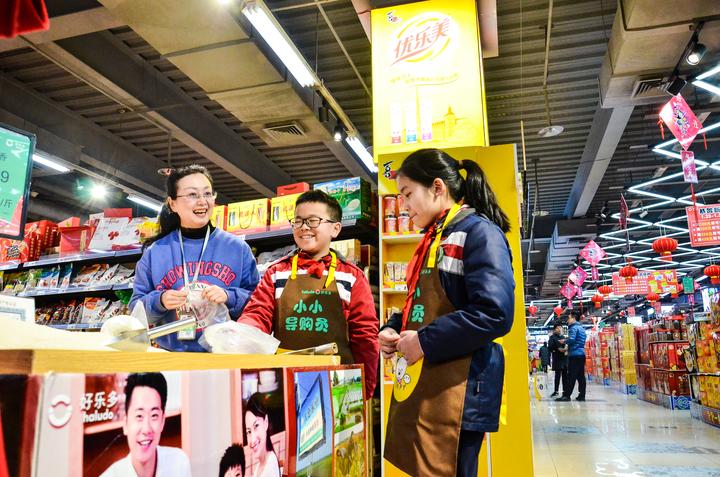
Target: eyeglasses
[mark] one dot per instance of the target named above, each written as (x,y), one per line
(194,196)
(312,222)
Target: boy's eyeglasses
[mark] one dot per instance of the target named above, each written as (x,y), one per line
(194,196)
(312,222)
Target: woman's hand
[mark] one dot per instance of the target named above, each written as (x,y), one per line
(388,342)
(215,294)
(409,345)
(173,299)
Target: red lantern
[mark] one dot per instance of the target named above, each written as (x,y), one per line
(713,271)
(597,299)
(652,297)
(532,309)
(558,310)
(628,272)
(665,246)
(605,290)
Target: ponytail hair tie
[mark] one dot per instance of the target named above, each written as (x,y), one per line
(462,171)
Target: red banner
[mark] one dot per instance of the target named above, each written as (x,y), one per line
(705,225)
(624,212)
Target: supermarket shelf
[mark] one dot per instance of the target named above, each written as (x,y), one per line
(73,290)
(669,341)
(708,415)
(78,257)
(78,326)
(402,239)
(680,403)
(392,291)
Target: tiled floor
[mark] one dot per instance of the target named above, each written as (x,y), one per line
(616,435)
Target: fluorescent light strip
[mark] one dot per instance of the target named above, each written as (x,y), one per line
(709,73)
(271,31)
(152,205)
(707,86)
(359,148)
(56,166)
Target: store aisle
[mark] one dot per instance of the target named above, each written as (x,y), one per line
(616,435)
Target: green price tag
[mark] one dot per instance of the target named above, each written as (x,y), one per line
(688,285)
(14,157)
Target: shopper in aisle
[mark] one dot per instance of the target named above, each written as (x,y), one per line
(575,343)
(544,357)
(558,361)
(314,296)
(449,371)
(189,254)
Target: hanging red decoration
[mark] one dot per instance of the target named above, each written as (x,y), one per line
(597,299)
(532,309)
(713,271)
(558,310)
(605,290)
(652,297)
(665,246)
(628,272)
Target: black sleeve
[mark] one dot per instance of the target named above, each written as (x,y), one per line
(395,322)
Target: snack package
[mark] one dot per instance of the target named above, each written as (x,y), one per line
(49,277)
(123,275)
(33,278)
(232,337)
(65,276)
(86,275)
(207,313)
(92,308)
(106,277)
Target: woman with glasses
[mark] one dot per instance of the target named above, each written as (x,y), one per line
(314,296)
(190,254)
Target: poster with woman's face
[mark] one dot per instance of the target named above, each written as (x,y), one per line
(348,422)
(314,424)
(263,417)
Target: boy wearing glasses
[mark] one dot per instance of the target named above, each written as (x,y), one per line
(314,296)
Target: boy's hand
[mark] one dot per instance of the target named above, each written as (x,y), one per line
(215,294)
(388,342)
(409,345)
(173,299)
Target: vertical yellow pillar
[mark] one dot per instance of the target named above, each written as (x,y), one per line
(428,91)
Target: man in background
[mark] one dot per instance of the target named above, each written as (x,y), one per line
(558,358)
(575,343)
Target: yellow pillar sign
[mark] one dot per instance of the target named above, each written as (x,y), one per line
(427,77)
(428,92)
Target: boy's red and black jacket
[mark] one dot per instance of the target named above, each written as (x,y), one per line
(477,276)
(357,301)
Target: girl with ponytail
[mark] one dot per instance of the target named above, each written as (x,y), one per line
(449,371)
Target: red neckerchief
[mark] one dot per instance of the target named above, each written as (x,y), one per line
(416,263)
(314,267)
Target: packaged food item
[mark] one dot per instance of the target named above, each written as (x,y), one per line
(390,272)
(49,277)
(122,276)
(402,207)
(33,278)
(390,208)
(403,224)
(65,276)
(106,277)
(219,216)
(353,194)
(248,216)
(92,309)
(290,189)
(398,272)
(391,225)
(282,210)
(86,275)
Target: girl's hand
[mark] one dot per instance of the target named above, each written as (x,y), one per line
(173,299)
(215,294)
(409,345)
(388,342)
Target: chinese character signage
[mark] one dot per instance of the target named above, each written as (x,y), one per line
(663,281)
(638,286)
(16,151)
(427,80)
(705,225)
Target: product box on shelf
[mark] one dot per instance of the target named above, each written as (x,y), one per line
(70,222)
(107,233)
(291,189)
(353,194)
(282,210)
(75,239)
(350,249)
(671,383)
(248,216)
(219,216)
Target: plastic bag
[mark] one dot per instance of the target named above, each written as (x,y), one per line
(237,338)
(206,312)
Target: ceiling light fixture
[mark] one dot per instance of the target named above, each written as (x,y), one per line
(359,148)
(551,129)
(265,23)
(339,134)
(695,55)
(98,191)
(50,164)
(150,204)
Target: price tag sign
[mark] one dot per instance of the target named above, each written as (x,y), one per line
(16,150)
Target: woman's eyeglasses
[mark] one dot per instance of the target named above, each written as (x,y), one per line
(312,222)
(194,196)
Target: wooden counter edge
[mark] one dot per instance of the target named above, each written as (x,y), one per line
(99,362)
